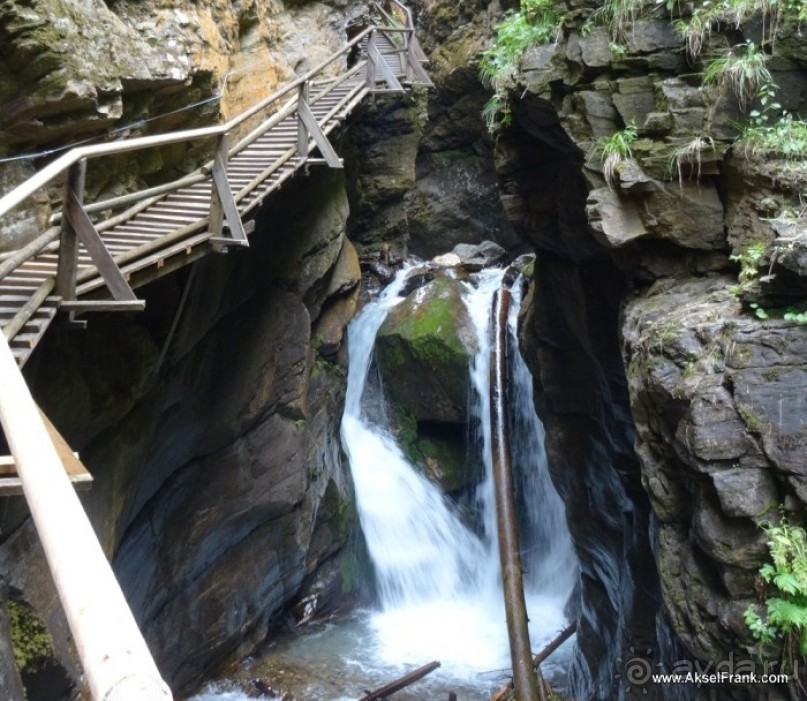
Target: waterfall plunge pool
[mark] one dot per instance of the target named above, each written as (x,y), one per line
(437,580)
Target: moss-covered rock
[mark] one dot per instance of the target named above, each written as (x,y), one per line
(424,350)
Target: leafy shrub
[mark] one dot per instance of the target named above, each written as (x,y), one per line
(534,23)
(786,137)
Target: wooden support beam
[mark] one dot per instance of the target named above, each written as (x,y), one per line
(382,67)
(414,68)
(79,476)
(302,130)
(372,53)
(223,204)
(319,137)
(104,305)
(80,222)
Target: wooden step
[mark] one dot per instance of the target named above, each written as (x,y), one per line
(11,485)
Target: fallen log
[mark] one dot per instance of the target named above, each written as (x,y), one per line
(387,690)
(526,682)
(503,693)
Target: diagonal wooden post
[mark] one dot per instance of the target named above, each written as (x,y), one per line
(115,658)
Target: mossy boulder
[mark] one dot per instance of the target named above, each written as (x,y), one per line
(424,350)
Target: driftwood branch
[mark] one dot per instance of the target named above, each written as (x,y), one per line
(524,677)
(548,649)
(387,690)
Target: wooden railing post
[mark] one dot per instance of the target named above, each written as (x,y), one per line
(222,203)
(68,243)
(117,663)
(302,130)
(220,158)
(371,65)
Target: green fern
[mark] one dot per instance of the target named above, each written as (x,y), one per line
(786,613)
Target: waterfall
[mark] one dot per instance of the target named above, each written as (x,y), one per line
(438,580)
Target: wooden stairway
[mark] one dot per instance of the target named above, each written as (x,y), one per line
(97,253)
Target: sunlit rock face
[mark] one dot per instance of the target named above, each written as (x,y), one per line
(72,70)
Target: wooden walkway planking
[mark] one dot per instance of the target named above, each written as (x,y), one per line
(169,230)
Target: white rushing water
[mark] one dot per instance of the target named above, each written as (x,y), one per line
(438,582)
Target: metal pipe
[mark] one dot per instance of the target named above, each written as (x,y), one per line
(116,661)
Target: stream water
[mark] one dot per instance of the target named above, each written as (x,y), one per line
(437,569)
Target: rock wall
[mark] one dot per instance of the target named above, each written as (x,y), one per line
(640,266)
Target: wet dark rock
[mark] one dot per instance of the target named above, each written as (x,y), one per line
(484,255)
(429,336)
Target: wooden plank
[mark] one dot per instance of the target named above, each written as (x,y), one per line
(102,305)
(29,308)
(102,258)
(161,218)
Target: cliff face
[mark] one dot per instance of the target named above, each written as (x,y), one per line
(640,266)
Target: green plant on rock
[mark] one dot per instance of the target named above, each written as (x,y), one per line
(688,157)
(786,137)
(712,14)
(615,150)
(749,259)
(618,15)
(534,23)
(785,613)
(33,645)
(742,70)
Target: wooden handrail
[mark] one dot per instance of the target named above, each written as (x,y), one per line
(61,164)
(116,660)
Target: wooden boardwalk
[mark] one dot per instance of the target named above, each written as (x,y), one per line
(96,254)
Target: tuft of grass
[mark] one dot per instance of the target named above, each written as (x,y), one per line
(614,150)
(618,15)
(730,13)
(688,157)
(742,70)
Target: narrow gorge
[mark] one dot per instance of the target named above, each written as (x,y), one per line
(642,164)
